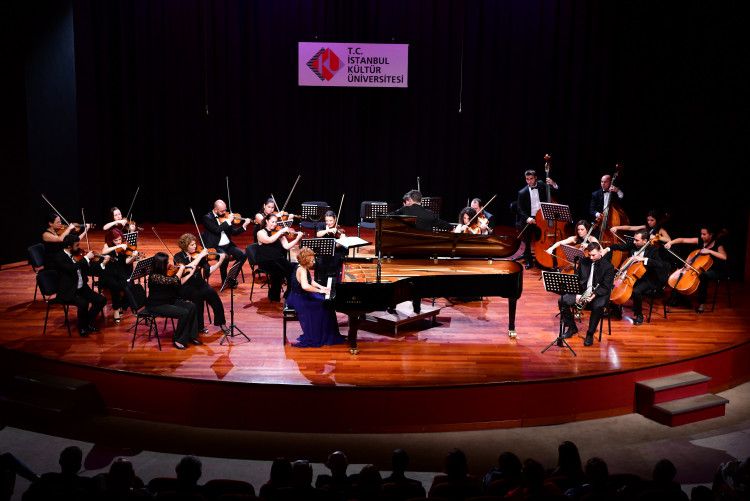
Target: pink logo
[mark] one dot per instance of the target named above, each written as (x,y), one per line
(325,64)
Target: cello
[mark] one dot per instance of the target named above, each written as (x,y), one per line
(552,230)
(612,215)
(628,274)
(687,279)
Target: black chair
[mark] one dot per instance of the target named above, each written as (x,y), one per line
(36,260)
(716,291)
(651,296)
(251,251)
(368,222)
(136,296)
(47,281)
(314,225)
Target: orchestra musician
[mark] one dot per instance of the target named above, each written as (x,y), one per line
(73,267)
(708,244)
(529,203)
(581,237)
(600,198)
(272,247)
(163,300)
(269,207)
(117,271)
(116,220)
(406,200)
(53,236)
(464,217)
(330,266)
(596,277)
(486,220)
(195,288)
(218,232)
(653,226)
(657,270)
(426,219)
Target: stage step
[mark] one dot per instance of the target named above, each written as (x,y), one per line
(54,399)
(678,399)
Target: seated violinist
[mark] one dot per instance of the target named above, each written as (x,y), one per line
(116,273)
(116,220)
(73,267)
(708,245)
(330,266)
(653,226)
(486,220)
(467,222)
(219,228)
(272,247)
(163,300)
(580,239)
(53,236)
(195,288)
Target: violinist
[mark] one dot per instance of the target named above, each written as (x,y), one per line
(117,221)
(657,270)
(218,232)
(708,245)
(600,198)
(53,236)
(195,288)
(653,226)
(595,276)
(272,247)
(163,300)
(465,223)
(117,271)
(529,202)
(73,266)
(426,219)
(486,220)
(269,207)
(580,239)
(330,266)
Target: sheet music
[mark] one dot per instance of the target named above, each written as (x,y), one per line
(351,242)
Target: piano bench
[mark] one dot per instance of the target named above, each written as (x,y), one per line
(289,313)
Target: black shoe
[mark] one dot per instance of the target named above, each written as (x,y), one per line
(638,320)
(226,330)
(196,341)
(589,339)
(528,265)
(203,331)
(274,299)
(701,308)
(83,333)
(570,332)
(179,346)
(91,328)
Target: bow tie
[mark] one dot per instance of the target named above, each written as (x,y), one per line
(532,187)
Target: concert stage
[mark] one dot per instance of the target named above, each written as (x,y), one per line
(464,373)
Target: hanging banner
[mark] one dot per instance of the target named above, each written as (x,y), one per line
(353,64)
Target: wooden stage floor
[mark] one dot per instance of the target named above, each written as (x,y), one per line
(466,358)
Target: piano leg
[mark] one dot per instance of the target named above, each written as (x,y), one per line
(417,304)
(512,319)
(354,320)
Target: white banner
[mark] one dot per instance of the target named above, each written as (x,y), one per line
(353,64)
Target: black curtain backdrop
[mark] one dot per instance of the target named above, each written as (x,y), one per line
(173,96)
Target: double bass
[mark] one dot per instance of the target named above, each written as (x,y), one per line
(552,231)
(612,215)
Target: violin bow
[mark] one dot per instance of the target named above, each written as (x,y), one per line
(338,214)
(54,209)
(84,227)
(229,197)
(129,213)
(418,187)
(275,205)
(162,242)
(196,228)
(482,210)
(290,193)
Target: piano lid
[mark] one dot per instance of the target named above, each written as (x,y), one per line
(398,236)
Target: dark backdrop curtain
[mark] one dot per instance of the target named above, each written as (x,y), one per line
(173,96)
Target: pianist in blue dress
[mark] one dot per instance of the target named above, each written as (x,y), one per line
(319,326)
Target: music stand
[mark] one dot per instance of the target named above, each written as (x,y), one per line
(142,269)
(560,284)
(556,212)
(573,254)
(131,239)
(231,283)
(373,210)
(314,213)
(321,246)
(435,204)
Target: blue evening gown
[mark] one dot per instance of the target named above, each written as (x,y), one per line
(319,326)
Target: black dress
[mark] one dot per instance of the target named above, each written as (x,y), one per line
(196,289)
(163,300)
(272,259)
(114,276)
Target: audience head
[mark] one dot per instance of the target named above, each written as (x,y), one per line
(302,473)
(306,257)
(509,464)
(664,471)
(456,465)
(337,463)
(399,461)
(70,460)
(369,480)
(597,472)
(281,471)
(701,493)
(121,475)
(188,470)
(533,474)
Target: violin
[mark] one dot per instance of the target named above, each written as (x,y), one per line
(284,216)
(80,254)
(237,219)
(628,274)
(77,228)
(127,251)
(130,226)
(212,254)
(273,232)
(172,269)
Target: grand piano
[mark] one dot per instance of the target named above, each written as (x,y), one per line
(413,264)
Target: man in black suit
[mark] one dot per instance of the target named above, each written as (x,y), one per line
(657,270)
(426,219)
(596,277)
(487,227)
(600,198)
(218,235)
(74,287)
(529,199)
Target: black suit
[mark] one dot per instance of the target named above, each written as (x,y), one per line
(604,276)
(68,291)
(426,219)
(524,210)
(490,222)
(212,231)
(656,276)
